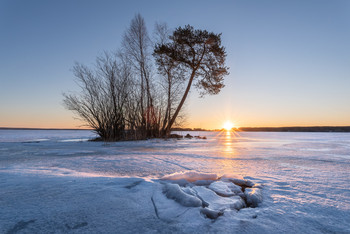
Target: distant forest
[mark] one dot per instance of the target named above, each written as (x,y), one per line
(279,129)
(298,129)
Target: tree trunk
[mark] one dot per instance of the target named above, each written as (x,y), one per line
(170,124)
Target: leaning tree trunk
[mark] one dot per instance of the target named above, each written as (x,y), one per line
(172,121)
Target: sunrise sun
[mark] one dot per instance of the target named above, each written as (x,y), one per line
(228,125)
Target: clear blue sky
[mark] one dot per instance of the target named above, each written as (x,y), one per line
(289,60)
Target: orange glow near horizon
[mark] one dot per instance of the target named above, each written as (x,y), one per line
(65,120)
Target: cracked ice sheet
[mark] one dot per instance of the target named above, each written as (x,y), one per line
(98,205)
(59,186)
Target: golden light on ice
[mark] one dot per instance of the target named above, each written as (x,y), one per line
(228,125)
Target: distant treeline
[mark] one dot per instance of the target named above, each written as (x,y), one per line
(297,129)
(277,129)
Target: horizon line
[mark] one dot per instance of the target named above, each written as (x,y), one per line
(186,128)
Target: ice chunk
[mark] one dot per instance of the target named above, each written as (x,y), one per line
(191,176)
(189,191)
(181,182)
(211,214)
(254,196)
(164,208)
(235,188)
(221,189)
(225,189)
(239,182)
(238,203)
(173,191)
(217,202)
(203,182)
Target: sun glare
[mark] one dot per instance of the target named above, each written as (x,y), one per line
(228,125)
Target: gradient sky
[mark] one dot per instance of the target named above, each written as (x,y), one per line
(289,60)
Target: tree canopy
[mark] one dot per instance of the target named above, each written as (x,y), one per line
(197,53)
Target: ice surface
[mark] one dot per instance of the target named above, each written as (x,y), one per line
(52,182)
(45,135)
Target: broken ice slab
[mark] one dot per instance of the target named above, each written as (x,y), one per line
(174,191)
(225,189)
(217,202)
(239,182)
(190,176)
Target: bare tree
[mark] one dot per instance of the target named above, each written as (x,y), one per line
(103,97)
(136,45)
(173,78)
(199,55)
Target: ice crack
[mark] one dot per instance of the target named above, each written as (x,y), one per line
(20,226)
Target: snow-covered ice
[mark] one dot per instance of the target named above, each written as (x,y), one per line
(57,182)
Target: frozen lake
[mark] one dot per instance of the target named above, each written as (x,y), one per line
(56,181)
